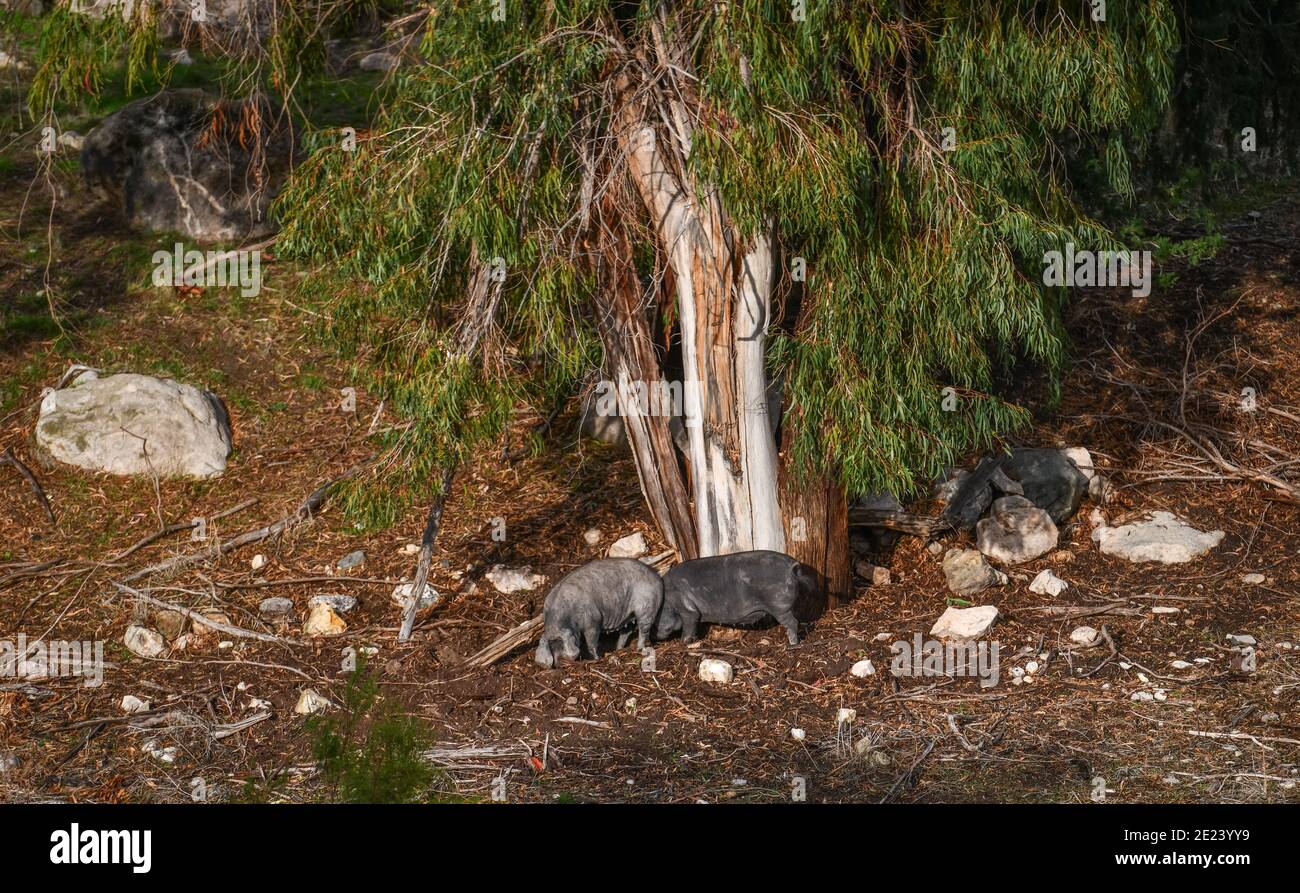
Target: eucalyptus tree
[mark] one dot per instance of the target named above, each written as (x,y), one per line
(851,200)
(824,219)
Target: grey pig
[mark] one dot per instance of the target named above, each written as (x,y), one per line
(736,590)
(603,595)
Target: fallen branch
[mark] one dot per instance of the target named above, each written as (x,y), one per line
(426,555)
(579,721)
(1242,736)
(1073,612)
(306,510)
(235,728)
(196,617)
(179,526)
(911,772)
(523,634)
(450,755)
(9,457)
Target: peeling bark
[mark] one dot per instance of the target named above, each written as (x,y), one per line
(630,354)
(723,295)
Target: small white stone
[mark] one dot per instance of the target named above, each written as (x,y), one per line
(1253,579)
(863,668)
(508,579)
(275,605)
(1082,460)
(798,734)
(1031,667)
(322,621)
(162,754)
(132,704)
(144,641)
(411,549)
(258,562)
(883,637)
(402,595)
(593,536)
(311,701)
(1242,639)
(342,604)
(1084,636)
(1141,696)
(1160,694)
(1142,677)
(1165,609)
(1161,537)
(845,715)
(964,623)
(631,546)
(1180,665)
(719,671)
(1048,583)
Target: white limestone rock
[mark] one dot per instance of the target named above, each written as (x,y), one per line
(131,424)
(1161,537)
(962,624)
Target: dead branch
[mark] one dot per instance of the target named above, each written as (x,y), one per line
(425,560)
(195,616)
(9,457)
(523,634)
(179,526)
(305,511)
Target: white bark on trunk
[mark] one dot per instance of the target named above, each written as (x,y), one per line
(758,456)
(732,451)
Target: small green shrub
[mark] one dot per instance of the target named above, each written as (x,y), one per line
(370,752)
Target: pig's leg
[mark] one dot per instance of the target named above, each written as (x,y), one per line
(645,626)
(592,636)
(623,637)
(787,619)
(689,621)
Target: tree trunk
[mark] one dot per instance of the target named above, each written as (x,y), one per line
(724,289)
(817,533)
(630,355)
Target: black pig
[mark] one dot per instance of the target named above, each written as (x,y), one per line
(735,590)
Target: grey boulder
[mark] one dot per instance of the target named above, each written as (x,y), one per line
(132,424)
(1015,531)
(1049,479)
(184,161)
(967,572)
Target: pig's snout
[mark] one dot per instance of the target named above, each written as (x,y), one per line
(544,656)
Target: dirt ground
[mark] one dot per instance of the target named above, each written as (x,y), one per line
(1145,370)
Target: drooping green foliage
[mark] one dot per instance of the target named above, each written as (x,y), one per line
(922,264)
(922,246)
(265,50)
